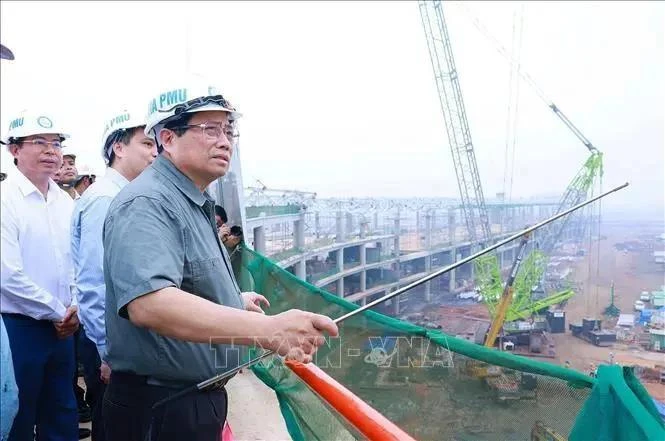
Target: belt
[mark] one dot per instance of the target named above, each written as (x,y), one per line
(130,377)
(152,381)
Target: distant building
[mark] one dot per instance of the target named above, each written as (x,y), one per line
(657,339)
(626,320)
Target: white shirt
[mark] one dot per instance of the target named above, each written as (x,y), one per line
(36,262)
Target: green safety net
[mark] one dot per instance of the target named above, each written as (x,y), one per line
(432,385)
(619,409)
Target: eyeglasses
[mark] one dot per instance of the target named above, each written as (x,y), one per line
(44,143)
(214,131)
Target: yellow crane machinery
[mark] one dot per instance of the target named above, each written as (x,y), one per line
(507,296)
(482,370)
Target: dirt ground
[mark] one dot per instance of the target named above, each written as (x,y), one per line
(632,272)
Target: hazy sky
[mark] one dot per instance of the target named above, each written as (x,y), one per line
(339,97)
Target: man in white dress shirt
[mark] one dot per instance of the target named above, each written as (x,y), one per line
(37,305)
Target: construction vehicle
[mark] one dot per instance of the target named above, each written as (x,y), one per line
(591,331)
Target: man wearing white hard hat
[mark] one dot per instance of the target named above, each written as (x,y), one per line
(38,305)
(173,306)
(127,151)
(67,174)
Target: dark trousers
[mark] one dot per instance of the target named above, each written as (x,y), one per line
(128,414)
(79,392)
(43,366)
(95,387)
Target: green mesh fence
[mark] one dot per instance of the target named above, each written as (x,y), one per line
(433,386)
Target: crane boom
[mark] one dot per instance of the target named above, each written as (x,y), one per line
(573,128)
(457,127)
(507,296)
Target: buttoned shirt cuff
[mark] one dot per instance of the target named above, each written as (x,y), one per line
(101,348)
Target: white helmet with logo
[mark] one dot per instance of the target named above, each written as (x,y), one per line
(28,123)
(116,126)
(192,95)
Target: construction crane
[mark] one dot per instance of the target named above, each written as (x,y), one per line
(592,168)
(457,127)
(499,298)
(488,273)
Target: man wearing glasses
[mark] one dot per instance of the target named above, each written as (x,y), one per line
(38,307)
(173,307)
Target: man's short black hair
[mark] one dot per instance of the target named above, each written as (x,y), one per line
(80,179)
(236,230)
(123,136)
(219,211)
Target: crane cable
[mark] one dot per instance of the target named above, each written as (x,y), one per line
(504,52)
(589,287)
(514,93)
(598,244)
(541,94)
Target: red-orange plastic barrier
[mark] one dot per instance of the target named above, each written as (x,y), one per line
(366,419)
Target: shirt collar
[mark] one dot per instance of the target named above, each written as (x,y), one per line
(27,187)
(184,184)
(114,176)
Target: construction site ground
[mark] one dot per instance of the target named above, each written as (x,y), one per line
(251,402)
(632,272)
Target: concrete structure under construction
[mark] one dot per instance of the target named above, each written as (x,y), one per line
(363,254)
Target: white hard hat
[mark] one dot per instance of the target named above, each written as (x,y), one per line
(28,123)
(116,125)
(191,95)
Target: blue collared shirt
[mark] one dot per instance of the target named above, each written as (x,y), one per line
(88,254)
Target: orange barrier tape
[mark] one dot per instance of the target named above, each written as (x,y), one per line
(366,419)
